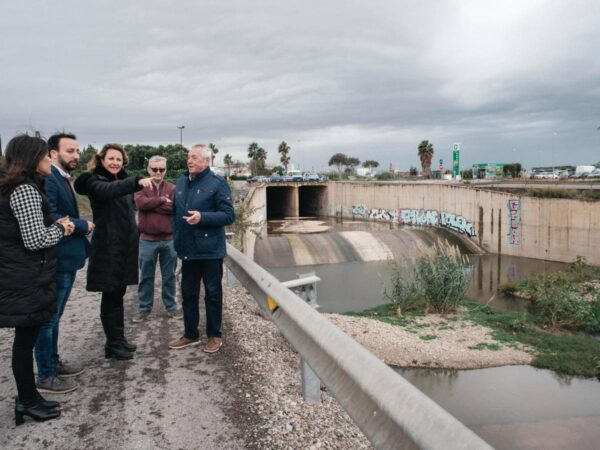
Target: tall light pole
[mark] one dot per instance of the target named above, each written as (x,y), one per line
(181,127)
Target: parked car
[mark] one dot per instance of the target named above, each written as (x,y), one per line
(593,174)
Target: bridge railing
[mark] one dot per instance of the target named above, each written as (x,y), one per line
(390,411)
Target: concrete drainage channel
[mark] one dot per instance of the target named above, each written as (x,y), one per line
(389,410)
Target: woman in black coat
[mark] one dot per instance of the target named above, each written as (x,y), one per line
(113,263)
(28,235)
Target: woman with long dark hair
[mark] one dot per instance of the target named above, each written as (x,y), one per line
(28,235)
(113,263)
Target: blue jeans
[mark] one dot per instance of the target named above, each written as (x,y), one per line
(46,344)
(192,273)
(150,252)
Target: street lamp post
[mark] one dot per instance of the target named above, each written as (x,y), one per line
(181,127)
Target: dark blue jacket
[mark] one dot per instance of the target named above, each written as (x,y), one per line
(72,250)
(209,194)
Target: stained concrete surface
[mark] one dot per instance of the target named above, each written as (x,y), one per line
(163,399)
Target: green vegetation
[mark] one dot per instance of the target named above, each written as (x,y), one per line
(563,300)
(437,285)
(425,152)
(485,346)
(561,351)
(563,305)
(340,160)
(572,194)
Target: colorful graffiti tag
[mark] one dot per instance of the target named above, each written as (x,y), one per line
(358,210)
(457,223)
(514,221)
(419,217)
(386,215)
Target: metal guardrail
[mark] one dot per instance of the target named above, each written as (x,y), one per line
(390,411)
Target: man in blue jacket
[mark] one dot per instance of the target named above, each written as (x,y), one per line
(71,253)
(201,208)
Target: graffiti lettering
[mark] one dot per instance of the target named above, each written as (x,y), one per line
(358,210)
(457,223)
(419,217)
(514,221)
(387,215)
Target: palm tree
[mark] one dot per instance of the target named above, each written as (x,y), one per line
(261,158)
(425,150)
(228,160)
(252,148)
(214,150)
(283,150)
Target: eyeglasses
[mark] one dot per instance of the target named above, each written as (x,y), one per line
(158,169)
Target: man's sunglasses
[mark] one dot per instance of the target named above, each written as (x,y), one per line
(157,169)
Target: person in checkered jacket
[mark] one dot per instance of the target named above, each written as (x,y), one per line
(28,235)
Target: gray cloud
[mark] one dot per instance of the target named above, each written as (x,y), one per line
(514,80)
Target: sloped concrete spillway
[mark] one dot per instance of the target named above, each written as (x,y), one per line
(289,250)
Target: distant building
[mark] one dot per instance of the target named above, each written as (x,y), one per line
(488,170)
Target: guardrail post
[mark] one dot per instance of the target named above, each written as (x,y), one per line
(305,287)
(229,277)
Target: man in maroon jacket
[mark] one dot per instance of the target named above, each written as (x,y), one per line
(155,205)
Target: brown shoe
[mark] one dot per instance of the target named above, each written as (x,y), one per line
(183,342)
(213,345)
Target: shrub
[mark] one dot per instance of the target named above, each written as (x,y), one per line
(438,285)
(561,304)
(385,176)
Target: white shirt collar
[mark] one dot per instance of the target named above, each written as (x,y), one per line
(61,171)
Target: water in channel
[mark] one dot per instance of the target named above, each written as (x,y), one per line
(513,407)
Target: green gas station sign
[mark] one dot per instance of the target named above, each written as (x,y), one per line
(456,160)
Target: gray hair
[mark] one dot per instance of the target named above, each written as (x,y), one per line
(205,152)
(157,158)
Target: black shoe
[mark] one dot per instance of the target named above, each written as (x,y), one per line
(117,351)
(45,403)
(128,345)
(36,410)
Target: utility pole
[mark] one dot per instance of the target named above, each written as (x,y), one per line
(181,127)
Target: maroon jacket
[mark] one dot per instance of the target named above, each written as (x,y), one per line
(154,213)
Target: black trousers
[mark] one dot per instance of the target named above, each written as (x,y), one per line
(22,362)
(192,273)
(111,314)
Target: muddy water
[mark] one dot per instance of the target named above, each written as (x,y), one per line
(353,279)
(517,407)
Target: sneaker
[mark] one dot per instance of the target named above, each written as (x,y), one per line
(176,313)
(67,370)
(140,316)
(183,342)
(55,385)
(213,345)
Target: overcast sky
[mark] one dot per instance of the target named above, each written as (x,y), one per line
(509,80)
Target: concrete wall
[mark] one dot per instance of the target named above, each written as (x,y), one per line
(551,229)
(256,201)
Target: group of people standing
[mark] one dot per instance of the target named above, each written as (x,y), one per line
(44,242)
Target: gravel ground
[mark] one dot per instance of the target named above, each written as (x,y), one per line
(270,395)
(432,341)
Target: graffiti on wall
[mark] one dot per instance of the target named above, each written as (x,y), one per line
(457,223)
(419,217)
(358,210)
(386,215)
(514,221)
